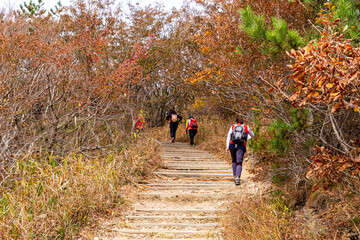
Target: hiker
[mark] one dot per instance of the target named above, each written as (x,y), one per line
(140,122)
(191,127)
(236,143)
(174,120)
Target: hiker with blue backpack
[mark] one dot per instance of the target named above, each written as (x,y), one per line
(236,141)
(191,127)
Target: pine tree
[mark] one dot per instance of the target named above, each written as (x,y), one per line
(276,37)
(348,11)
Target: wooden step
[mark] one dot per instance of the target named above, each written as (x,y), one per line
(205,163)
(209,171)
(182,188)
(196,175)
(167,232)
(176,225)
(172,218)
(194,196)
(174,210)
(197,167)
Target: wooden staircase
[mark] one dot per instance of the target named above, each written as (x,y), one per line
(185,202)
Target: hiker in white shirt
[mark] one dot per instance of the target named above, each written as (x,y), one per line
(236,141)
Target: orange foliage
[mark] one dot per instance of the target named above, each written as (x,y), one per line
(327,165)
(326,74)
(233,63)
(327,71)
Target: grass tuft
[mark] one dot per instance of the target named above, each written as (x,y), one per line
(249,219)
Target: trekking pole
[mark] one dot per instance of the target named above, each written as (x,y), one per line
(252,158)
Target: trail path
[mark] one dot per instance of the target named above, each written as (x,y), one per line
(185,202)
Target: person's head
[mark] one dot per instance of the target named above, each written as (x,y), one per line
(172,111)
(190,116)
(239,120)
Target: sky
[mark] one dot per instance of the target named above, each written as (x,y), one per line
(4,4)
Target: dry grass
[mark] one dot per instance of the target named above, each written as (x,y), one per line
(54,197)
(337,213)
(249,219)
(212,136)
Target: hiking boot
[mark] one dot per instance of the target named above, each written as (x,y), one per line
(237,180)
(172,140)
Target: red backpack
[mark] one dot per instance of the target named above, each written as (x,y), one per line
(193,123)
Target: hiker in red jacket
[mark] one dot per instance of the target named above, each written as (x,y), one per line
(174,120)
(236,143)
(140,122)
(191,127)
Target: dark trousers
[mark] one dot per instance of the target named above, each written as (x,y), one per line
(173,128)
(237,155)
(192,133)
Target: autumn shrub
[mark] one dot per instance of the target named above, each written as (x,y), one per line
(325,76)
(328,168)
(63,86)
(54,197)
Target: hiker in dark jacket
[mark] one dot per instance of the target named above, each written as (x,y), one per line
(237,150)
(174,120)
(191,127)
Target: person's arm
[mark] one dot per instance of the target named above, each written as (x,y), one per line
(250,132)
(228,138)
(180,118)
(187,125)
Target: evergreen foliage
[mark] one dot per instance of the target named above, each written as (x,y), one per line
(349,12)
(33,9)
(275,38)
(258,144)
(280,137)
(253,24)
(299,118)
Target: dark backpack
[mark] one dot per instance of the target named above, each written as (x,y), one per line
(238,134)
(193,123)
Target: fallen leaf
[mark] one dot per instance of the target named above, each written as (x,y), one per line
(334,94)
(330,85)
